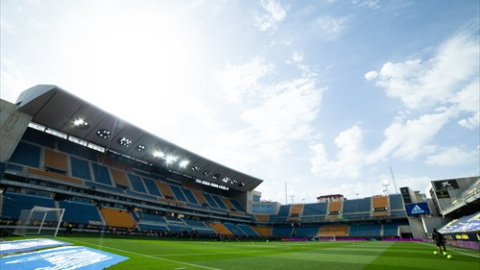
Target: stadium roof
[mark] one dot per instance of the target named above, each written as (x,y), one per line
(62,114)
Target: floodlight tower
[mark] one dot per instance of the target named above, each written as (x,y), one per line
(393,179)
(386,184)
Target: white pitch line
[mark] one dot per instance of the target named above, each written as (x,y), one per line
(455,250)
(152,257)
(467,254)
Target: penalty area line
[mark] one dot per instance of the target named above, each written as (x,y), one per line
(152,257)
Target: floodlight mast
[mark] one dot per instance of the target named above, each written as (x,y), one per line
(393,179)
(386,188)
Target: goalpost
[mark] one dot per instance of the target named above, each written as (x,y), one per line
(39,221)
(326,237)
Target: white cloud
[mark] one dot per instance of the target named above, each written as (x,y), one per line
(434,87)
(265,116)
(470,122)
(422,84)
(288,112)
(13,78)
(8,27)
(297,57)
(276,13)
(349,160)
(446,86)
(330,28)
(371,75)
(406,139)
(373,4)
(272,114)
(36,24)
(468,100)
(453,156)
(240,81)
(410,138)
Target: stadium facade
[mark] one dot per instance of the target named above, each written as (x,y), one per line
(59,151)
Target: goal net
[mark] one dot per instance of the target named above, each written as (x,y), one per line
(326,238)
(39,220)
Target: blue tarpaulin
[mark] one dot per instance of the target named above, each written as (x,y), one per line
(29,244)
(61,258)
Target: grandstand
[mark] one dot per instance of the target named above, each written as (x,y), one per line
(60,151)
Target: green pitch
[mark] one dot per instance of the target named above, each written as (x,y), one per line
(189,255)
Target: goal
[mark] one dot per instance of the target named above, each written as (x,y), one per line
(39,220)
(326,238)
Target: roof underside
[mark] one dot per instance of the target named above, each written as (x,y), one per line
(57,109)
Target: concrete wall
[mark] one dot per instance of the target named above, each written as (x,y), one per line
(433,222)
(417,227)
(422,227)
(12,126)
(243,199)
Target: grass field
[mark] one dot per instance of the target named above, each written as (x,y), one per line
(187,255)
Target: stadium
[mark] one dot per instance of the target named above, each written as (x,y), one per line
(75,172)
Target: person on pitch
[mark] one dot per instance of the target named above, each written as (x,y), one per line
(439,240)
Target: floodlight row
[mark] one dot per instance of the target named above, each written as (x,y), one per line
(169,159)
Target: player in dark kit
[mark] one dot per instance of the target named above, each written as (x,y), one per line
(439,240)
(69,228)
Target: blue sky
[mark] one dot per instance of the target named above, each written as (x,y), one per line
(323,97)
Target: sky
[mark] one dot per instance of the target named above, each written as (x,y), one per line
(353,97)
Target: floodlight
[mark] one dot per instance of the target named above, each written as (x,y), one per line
(170,159)
(183,163)
(124,141)
(159,154)
(103,133)
(141,148)
(81,124)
